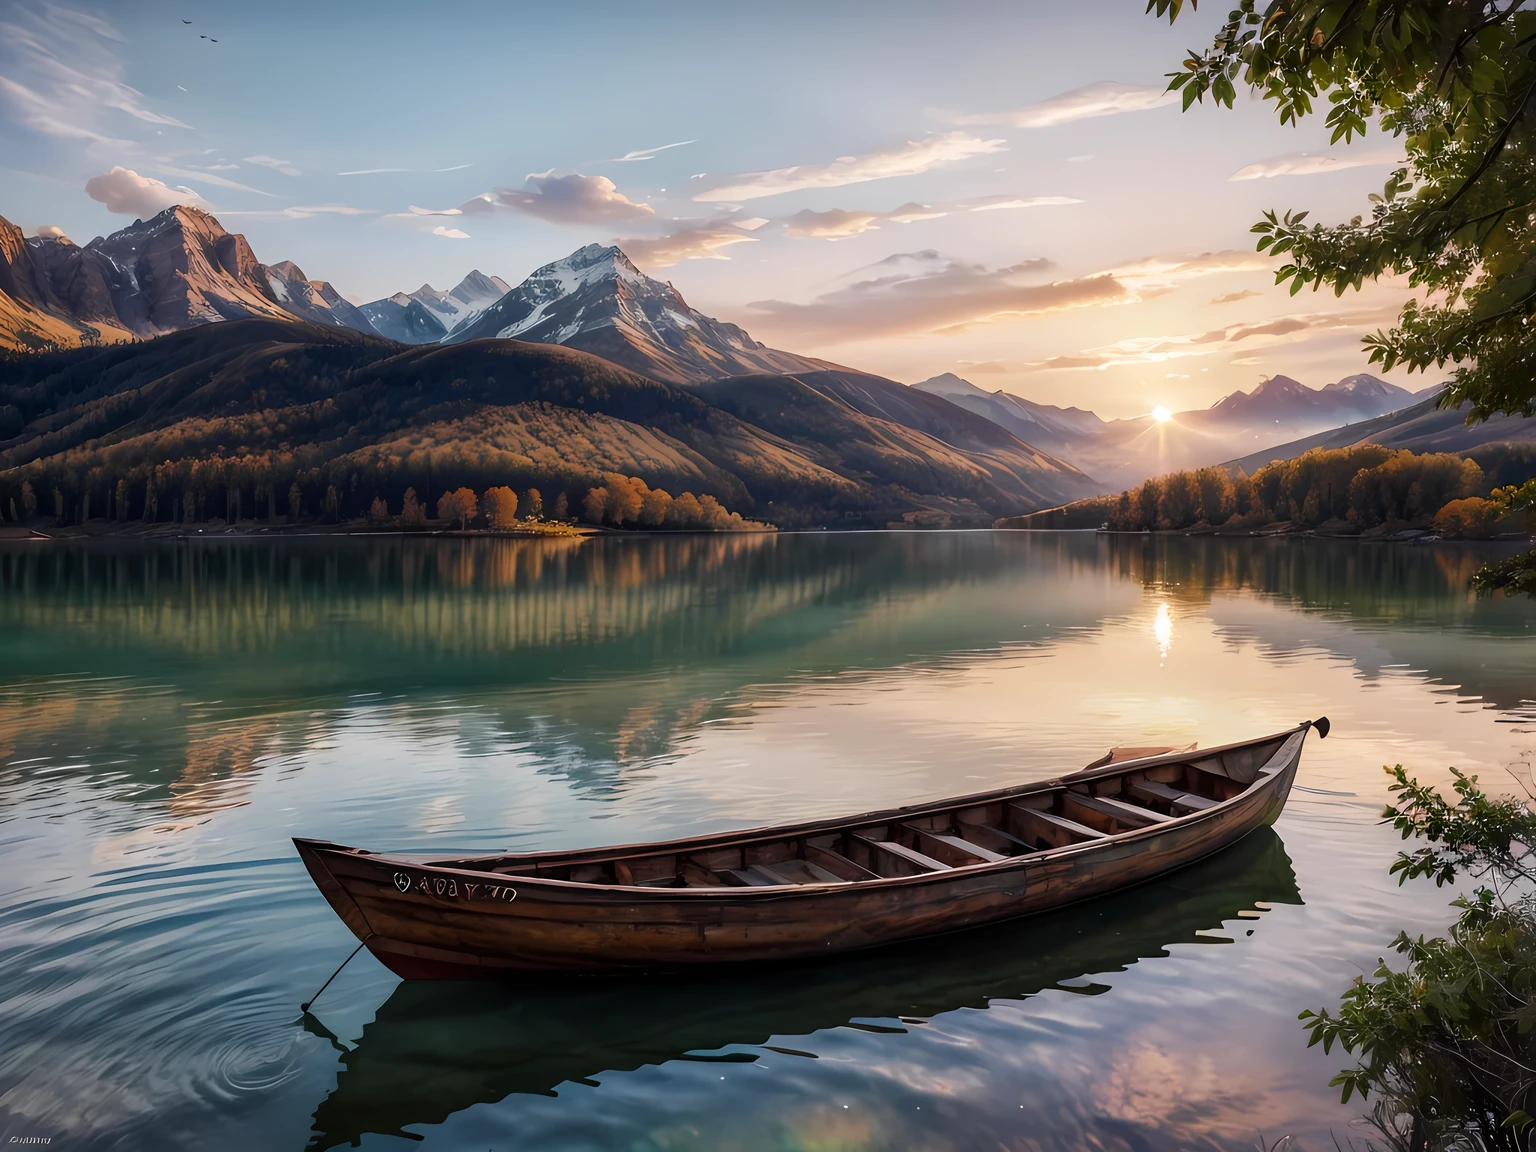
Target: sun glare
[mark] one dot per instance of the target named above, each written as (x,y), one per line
(1161,414)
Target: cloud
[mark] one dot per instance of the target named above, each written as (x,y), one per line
(373,171)
(573,199)
(51,232)
(915,292)
(839,223)
(698,241)
(647,153)
(303,212)
(283,166)
(993,203)
(910,159)
(1105,98)
(1159,349)
(1311,164)
(125,192)
(451,233)
(1162,273)
(61,75)
(1234,297)
(207,178)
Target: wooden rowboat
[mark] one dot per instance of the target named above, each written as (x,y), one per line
(810,889)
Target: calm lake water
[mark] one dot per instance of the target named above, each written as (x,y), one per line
(170,715)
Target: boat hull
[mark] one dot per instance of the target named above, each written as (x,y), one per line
(443,922)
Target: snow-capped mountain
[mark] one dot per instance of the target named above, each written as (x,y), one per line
(1282,400)
(428,314)
(596,300)
(1043,425)
(313,300)
(464,301)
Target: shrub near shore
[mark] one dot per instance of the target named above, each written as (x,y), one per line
(1343,491)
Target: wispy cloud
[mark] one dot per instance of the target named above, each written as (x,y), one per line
(994,203)
(910,159)
(451,233)
(1314,163)
(284,166)
(573,199)
(1234,297)
(646,153)
(206,178)
(916,292)
(694,241)
(124,191)
(379,171)
(61,75)
(840,223)
(1105,98)
(1160,349)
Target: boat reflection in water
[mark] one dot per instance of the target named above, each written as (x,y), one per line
(436,1048)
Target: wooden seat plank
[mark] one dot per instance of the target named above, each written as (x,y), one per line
(1127,814)
(838,864)
(1177,799)
(751,878)
(1047,827)
(987,836)
(952,850)
(797,872)
(902,855)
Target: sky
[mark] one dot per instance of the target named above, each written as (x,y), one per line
(1002,191)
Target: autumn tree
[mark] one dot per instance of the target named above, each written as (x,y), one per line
(378,511)
(412,514)
(562,506)
(295,502)
(533,504)
(501,508)
(654,508)
(459,505)
(595,505)
(1455,84)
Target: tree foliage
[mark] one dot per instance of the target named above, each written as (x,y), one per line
(1350,489)
(1455,82)
(1445,1038)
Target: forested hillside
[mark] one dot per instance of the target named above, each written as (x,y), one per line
(218,421)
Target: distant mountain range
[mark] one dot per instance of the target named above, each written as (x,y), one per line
(181,269)
(597,300)
(226,412)
(427,316)
(1422,427)
(1123,452)
(943,445)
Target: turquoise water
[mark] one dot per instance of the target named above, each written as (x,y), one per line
(170,715)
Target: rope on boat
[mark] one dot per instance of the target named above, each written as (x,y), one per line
(305,1006)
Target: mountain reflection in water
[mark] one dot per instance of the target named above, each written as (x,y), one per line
(436,1048)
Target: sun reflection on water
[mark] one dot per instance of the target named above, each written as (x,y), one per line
(1162,628)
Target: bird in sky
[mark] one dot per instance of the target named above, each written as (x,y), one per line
(202,37)
(186,21)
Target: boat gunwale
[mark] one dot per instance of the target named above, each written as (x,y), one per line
(632,892)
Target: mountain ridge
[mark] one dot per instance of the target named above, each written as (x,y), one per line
(596,300)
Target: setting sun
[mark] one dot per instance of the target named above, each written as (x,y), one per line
(1161,414)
